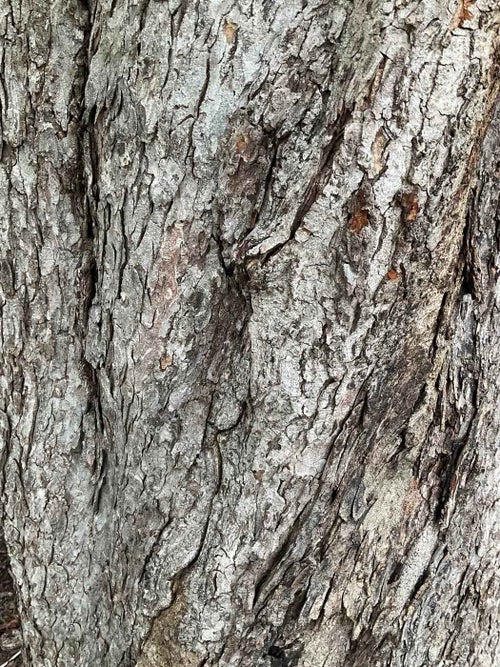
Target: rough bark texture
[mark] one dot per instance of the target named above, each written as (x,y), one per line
(250,331)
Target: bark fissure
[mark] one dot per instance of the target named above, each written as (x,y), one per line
(249,350)
(318,181)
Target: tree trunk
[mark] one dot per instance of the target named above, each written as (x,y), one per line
(250,331)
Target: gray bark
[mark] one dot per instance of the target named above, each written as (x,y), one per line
(250,331)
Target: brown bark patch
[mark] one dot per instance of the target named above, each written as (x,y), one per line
(413,498)
(410,205)
(162,648)
(165,362)
(463,13)
(242,144)
(360,218)
(378,147)
(230,31)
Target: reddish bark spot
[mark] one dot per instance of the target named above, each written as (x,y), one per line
(413,498)
(360,218)
(165,362)
(359,221)
(409,204)
(242,143)
(10,625)
(463,13)
(392,274)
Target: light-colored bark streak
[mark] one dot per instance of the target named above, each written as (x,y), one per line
(248,331)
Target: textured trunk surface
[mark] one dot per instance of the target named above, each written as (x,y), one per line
(250,331)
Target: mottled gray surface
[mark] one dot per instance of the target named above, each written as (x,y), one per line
(249,331)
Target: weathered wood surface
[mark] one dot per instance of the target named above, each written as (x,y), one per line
(249,331)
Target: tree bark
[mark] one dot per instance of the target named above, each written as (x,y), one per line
(250,331)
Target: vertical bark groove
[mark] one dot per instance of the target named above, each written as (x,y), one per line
(248,331)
